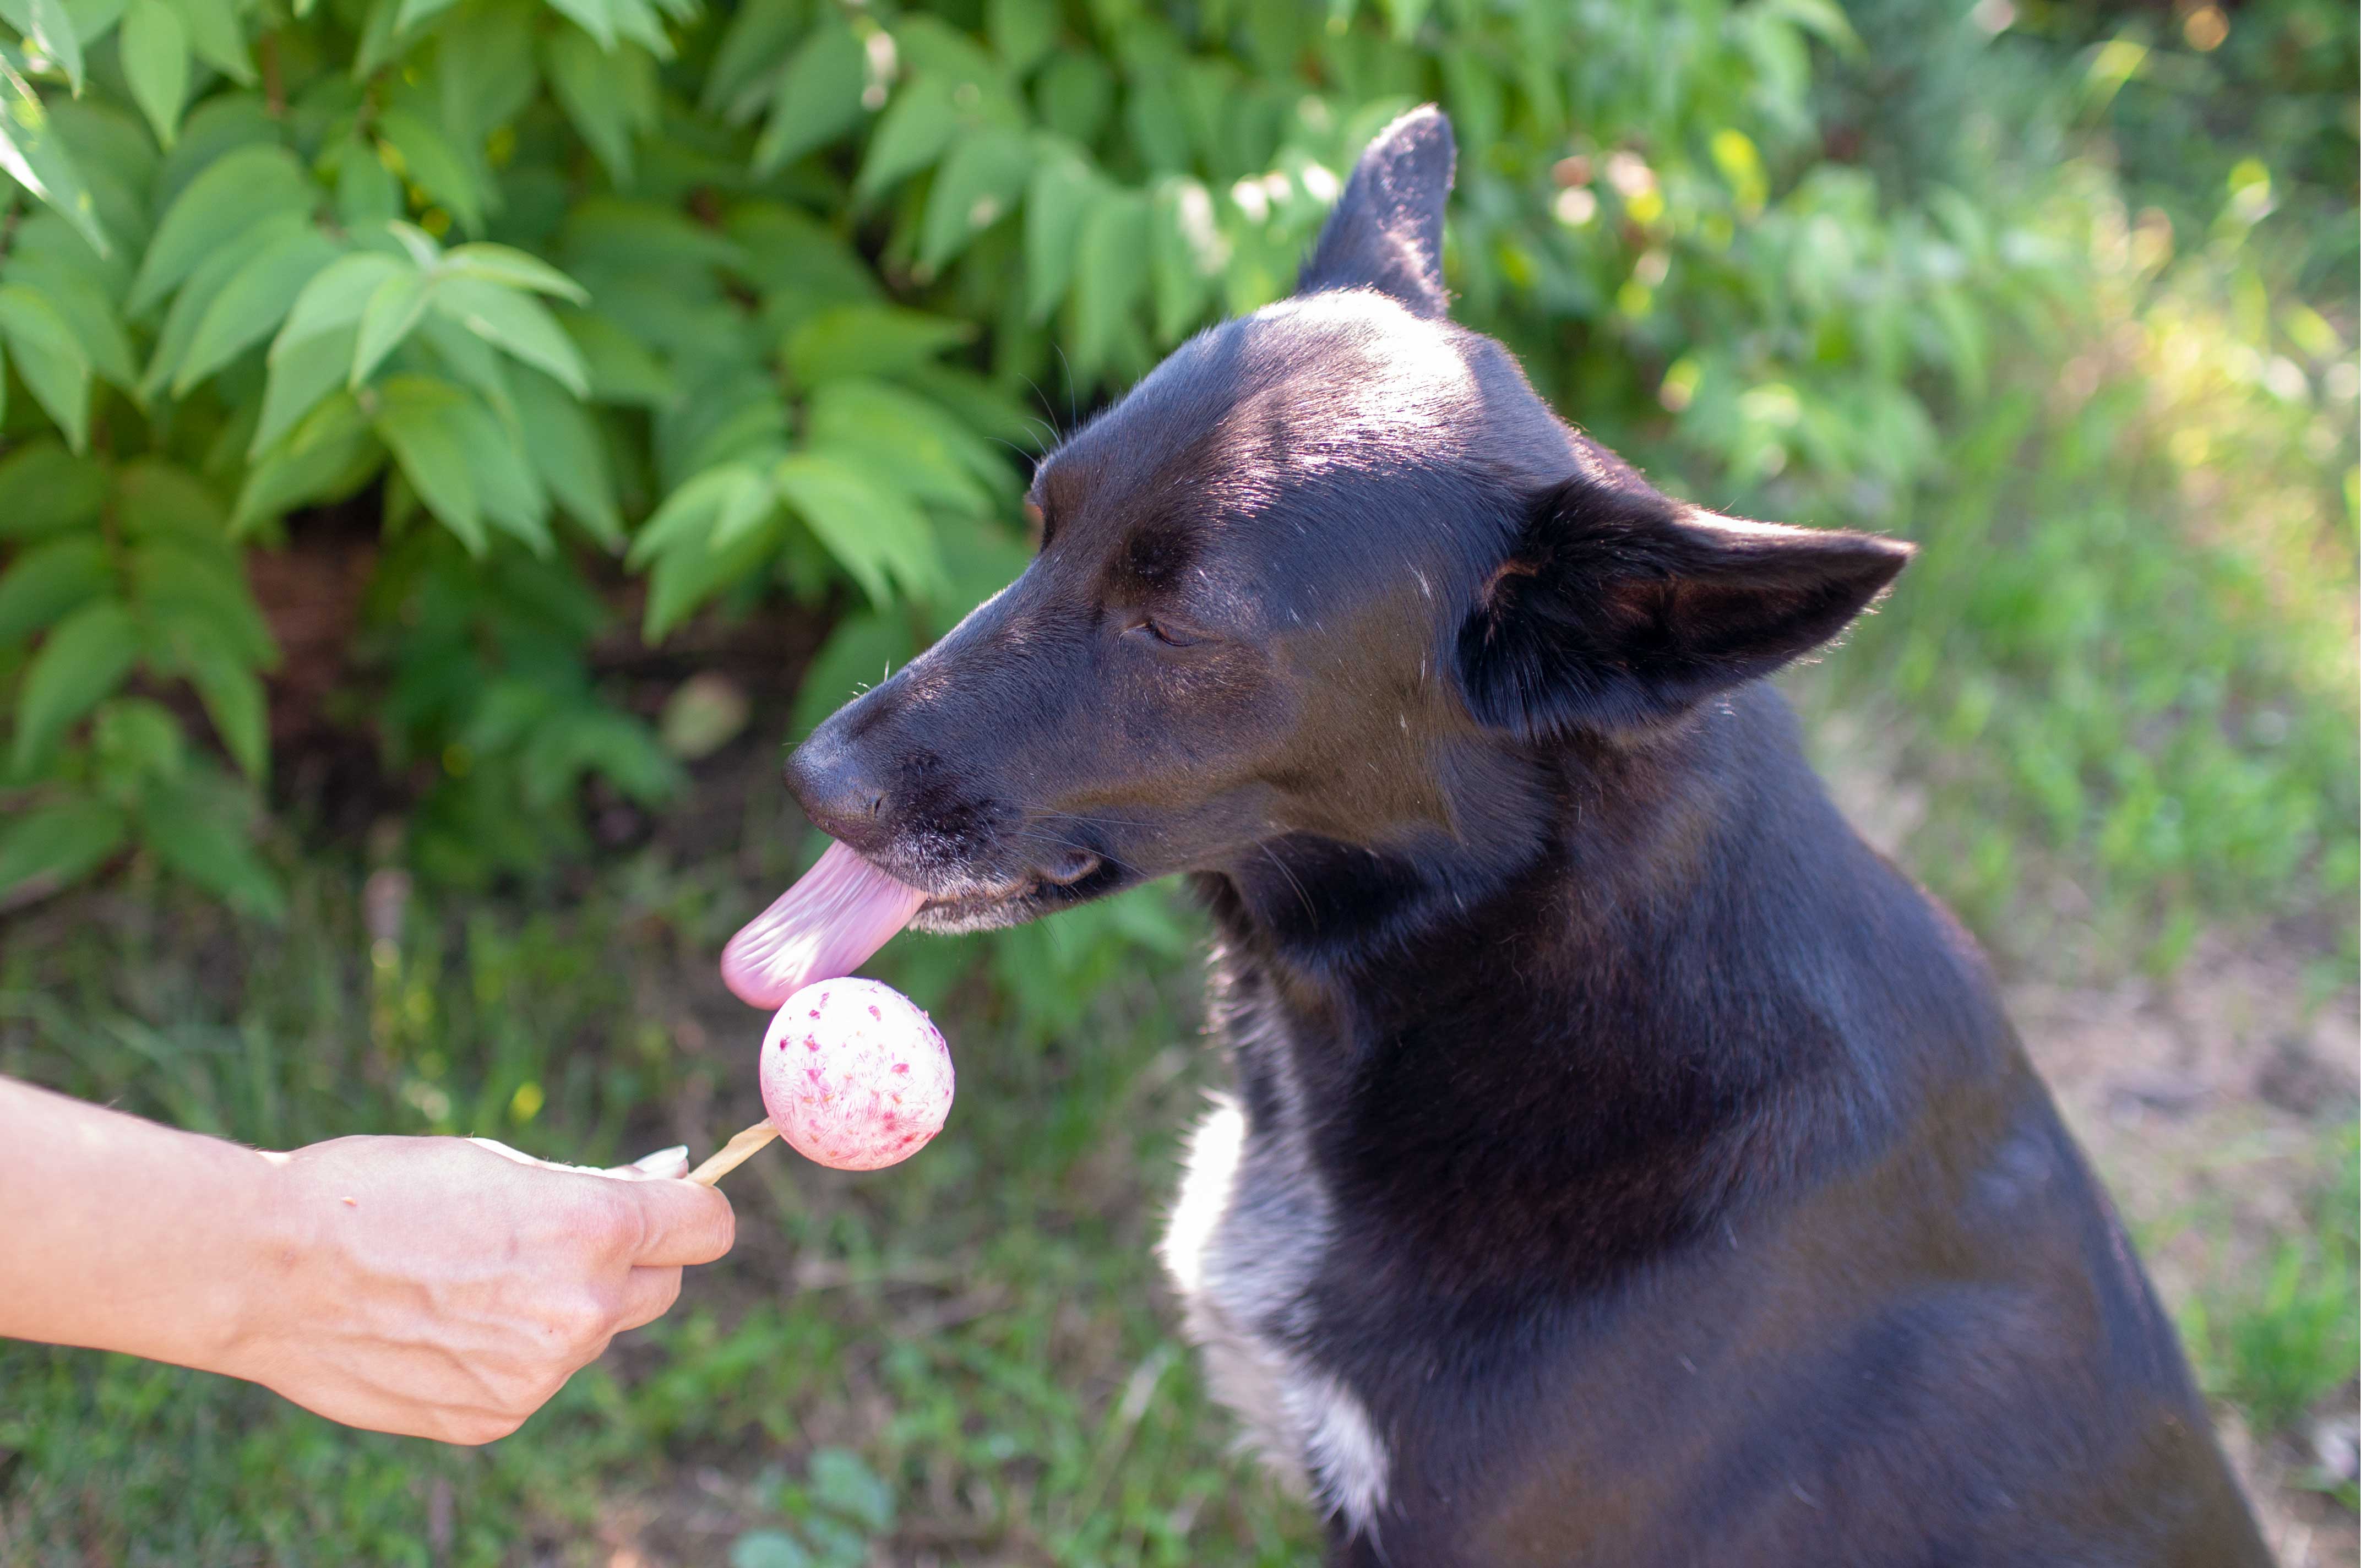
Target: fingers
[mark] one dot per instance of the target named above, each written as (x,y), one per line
(648,1294)
(681,1223)
(670,1164)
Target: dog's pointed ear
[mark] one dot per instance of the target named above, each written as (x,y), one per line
(1387,231)
(1617,607)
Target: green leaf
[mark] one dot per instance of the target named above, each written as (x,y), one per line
(609,96)
(83,660)
(930,454)
(622,368)
(818,97)
(252,303)
(1189,256)
(155,50)
(433,166)
(874,532)
(912,133)
(417,420)
(32,154)
(505,484)
(217,38)
(157,498)
(49,358)
(570,455)
(50,581)
(744,509)
(330,451)
(196,295)
(393,308)
(1021,31)
(514,268)
(52,31)
(687,516)
(78,294)
(45,490)
(1062,192)
(1406,16)
(235,191)
(1110,275)
(204,588)
(757,40)
(515,322)
(333,301)
(770,1549)
(869,340)
(233,697)
(592,17)
(978,185)
(367,195)
(198,828)
(302,373)
(415,12)
(56,846)
(683,580)
(842,1483)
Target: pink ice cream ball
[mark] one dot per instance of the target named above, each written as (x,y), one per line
(854,1075)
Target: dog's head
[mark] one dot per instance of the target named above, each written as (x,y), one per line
(1332,575)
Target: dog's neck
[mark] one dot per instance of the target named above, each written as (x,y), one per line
(1692,948)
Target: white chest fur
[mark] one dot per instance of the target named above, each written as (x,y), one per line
(1247,1238)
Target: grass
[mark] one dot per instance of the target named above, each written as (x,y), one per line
(978,1333)
(2280,1343)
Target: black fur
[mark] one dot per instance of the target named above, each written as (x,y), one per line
(1693,1200)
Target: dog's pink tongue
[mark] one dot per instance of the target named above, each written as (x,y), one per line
(838,913)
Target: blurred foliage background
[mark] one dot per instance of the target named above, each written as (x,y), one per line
(445,447)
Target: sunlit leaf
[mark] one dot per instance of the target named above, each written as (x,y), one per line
(32,154)
(515,322)
(514,268)
(392,309)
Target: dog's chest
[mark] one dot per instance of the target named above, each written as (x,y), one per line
(1248,1237)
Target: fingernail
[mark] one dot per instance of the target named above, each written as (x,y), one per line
(673,1161)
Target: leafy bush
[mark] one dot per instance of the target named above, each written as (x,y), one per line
(759,301)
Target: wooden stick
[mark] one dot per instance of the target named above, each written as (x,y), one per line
(734,1154)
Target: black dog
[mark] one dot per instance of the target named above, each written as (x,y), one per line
(1629,1167)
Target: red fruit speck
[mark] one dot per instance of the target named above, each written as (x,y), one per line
(874,1013)
(901,1067)
(814,1012)
(811,1042)
(812,1073)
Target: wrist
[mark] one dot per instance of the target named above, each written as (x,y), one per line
(261,1293)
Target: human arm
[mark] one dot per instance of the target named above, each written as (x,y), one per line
(442,1288)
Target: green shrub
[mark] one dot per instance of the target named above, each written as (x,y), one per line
(766,303)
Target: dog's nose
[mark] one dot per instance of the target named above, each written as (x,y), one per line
(842,799)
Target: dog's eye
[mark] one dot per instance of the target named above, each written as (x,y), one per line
(1164,634)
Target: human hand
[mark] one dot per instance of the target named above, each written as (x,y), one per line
(446,1288)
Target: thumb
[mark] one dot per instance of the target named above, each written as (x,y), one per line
(682,1222)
